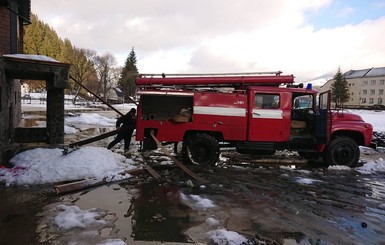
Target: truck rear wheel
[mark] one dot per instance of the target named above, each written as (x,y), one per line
(201,149)
(342,151)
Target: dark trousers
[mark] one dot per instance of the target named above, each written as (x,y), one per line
(122,135)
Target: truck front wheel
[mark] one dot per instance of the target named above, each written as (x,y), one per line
(342,151)
(201,149)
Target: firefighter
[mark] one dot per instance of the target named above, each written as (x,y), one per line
(126,126)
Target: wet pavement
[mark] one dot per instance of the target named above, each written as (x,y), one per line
(267,203)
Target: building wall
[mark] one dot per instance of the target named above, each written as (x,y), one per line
(5,31)
(10,90)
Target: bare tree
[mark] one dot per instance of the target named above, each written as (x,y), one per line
(82,67)
(104,66)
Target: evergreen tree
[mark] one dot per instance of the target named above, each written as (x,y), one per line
(128,75)
(340,90)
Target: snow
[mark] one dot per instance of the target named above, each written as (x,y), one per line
(306,181)
(212,222)
(225,237)
(197,202)
(74,217)
(31,57)
(372,167)
(376,118)
(91,119)
(42,166)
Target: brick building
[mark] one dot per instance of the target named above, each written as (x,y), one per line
(14,65)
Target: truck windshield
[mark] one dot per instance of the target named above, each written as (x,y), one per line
(303,102)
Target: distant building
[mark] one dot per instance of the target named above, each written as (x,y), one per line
(366,87)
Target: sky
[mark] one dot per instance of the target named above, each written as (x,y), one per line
(307,38)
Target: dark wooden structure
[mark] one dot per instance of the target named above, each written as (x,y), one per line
(56,75)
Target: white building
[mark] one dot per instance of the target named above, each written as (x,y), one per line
(366,87)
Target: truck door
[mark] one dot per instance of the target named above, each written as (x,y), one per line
(267,120)
(323,123)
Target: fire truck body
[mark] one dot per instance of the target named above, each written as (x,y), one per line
(251,113)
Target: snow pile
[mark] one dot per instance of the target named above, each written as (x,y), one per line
(41,166)
(224,237)
(91,118)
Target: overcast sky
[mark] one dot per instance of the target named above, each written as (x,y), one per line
(307,38)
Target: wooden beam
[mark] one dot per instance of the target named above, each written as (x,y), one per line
(178,163)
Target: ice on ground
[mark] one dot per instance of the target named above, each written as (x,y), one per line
(41,166)
(372,167)
(225,237)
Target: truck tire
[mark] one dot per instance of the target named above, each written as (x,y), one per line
(201,149)
(342,151)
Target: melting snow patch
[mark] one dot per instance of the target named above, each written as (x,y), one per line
(224,237)
(372,167)
(212,222)
(339,168)
(306,181)
(91,118)
(196,201)
(367,150)
(73,217)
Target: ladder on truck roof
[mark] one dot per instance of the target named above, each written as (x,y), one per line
(214,79)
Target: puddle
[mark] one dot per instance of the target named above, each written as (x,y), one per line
(147,212)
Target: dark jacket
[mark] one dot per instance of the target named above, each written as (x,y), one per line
(126,122)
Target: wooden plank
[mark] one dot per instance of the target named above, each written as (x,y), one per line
(154,174)
(86,183)
(78,185)
(178,163)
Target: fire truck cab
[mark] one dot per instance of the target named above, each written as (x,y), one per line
(256,113)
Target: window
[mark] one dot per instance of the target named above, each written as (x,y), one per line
(382,82)
(267,101)
(303,102)
(364,91)
(364,83)
(380,91)
(371,101)
(372,91)
(379,101)
(363,100)
(373,82)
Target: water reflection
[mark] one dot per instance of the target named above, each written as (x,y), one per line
(159,214)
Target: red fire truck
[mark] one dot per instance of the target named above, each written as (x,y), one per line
(257,113)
